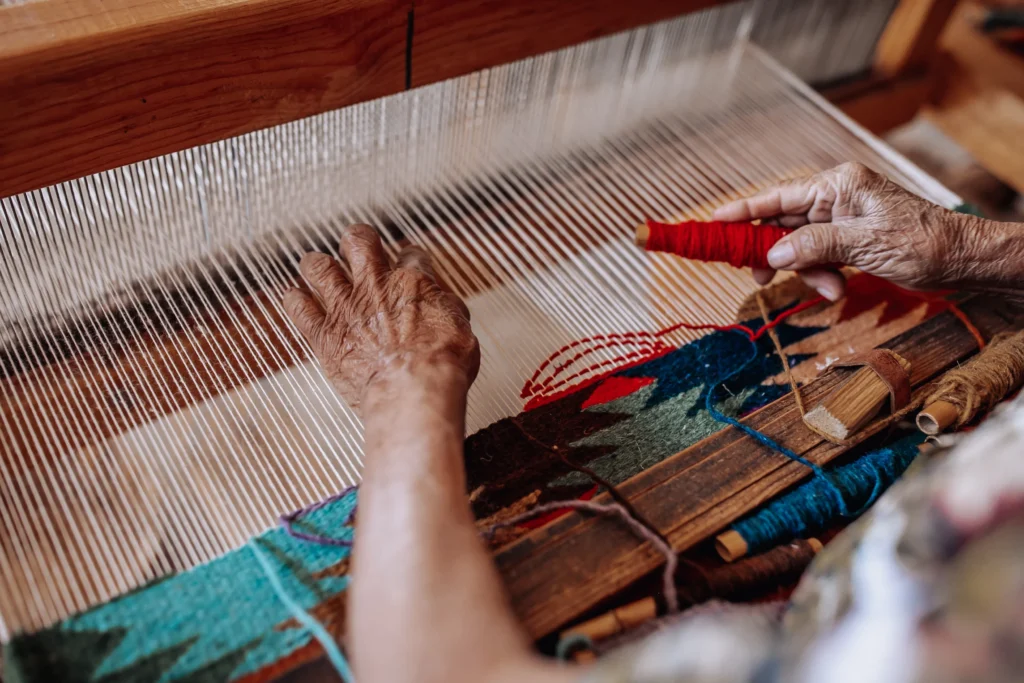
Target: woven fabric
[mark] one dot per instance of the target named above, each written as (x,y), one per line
(222,621)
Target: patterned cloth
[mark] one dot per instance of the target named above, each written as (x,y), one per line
(926,588)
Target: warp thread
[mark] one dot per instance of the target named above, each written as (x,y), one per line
(738,244)
(287,521)
(985,380)
(812,507)
(610,510)
(331,648)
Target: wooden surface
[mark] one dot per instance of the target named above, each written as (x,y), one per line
(980,103)
(572,564)
(89,85)
(911,37)
(881,104)
(456,37)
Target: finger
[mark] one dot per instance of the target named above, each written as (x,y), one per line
(817,244)
(763,276)
(415,258)
(795,198)
(365,254)
(794,221)
(325,277)
(305,313)
(828,282)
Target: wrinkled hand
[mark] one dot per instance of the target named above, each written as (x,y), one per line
(851,216)
(382,319)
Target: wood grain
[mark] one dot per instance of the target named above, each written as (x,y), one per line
(879,103)
(570,565)
(89,85)
(456,37)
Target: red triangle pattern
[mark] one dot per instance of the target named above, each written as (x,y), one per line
(614,388)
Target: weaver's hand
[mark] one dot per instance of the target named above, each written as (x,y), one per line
(384,319)
(850,215)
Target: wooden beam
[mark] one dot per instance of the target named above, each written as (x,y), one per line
(89,85)
(881,104)
(455,37)
(911,37)
(988,122)
(556,573)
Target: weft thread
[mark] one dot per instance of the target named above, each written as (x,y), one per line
(287,521)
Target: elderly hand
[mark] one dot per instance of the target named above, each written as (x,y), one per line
(850,215)
(382,320)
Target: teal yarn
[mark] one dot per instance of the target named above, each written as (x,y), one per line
(821,477)
(572,643)
(811,507)
(969,209)
(334,653)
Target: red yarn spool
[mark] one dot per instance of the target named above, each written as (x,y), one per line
(738,244)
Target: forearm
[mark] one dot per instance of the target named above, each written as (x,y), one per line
(427,602)
(991,256)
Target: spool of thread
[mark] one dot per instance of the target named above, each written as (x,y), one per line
(752,576)
(813,506)
(738,244)
(966,392)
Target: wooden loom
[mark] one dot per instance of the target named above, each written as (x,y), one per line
(110,369)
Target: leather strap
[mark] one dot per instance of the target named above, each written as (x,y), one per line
(886,365)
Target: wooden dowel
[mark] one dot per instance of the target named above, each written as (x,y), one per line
(730,546)
(616,621)
(937,417)
(851,405)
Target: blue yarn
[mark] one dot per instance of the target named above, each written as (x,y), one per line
(569,644)
(709,404)
(334,653)
(806,510)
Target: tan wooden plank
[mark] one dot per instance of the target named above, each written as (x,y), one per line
(89,85)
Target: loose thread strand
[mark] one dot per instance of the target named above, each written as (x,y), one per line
(616,510)
(330,646)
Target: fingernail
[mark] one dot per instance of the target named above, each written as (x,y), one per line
(829,292)
(782,255)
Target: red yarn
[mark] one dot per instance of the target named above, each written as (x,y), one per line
(738,244)
(539,392)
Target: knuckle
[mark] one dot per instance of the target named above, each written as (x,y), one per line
(810,244)
(856,172)
(360,232)
(315,263)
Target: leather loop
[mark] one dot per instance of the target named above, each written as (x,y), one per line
(887,365)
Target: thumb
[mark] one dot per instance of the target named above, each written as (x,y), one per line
(813,245)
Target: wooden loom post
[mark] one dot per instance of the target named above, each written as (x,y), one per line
(911,38)
(904,76)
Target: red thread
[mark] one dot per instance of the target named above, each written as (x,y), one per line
(738,244)
(539,393)
(541,520)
